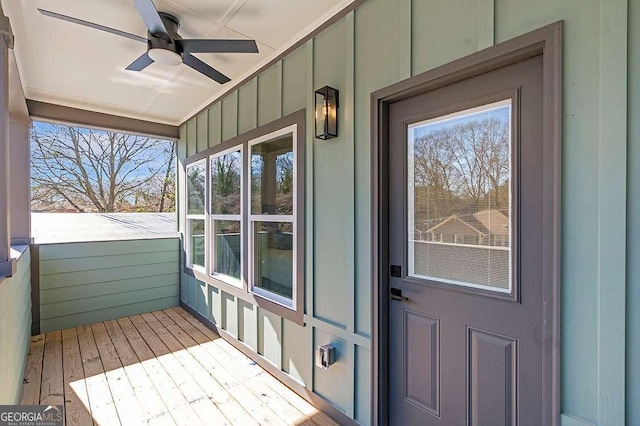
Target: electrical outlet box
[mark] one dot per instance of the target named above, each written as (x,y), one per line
(325,356)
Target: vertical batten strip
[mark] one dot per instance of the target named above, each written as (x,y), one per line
(350,409)
(237,109)
(6,266)
(253,343)
(279,111)
(633,272)
(181,155)
(612,191)
(255,102)
(309,231)
(348,114)
(279,91)
(347,104)
(486,23)
(405,34)
(219,122)
(255,318)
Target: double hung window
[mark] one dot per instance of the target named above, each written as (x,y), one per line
(226,180)
(196,216)
(248,240)
(272,219)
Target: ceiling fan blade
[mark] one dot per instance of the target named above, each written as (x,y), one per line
(205,69)
(219,46)
(141,63)
(92,25)
(151,17)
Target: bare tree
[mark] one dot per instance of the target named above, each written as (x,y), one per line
(226,172)
(158,195)
(94,170)
(168,183)
(436,178)
(461,169)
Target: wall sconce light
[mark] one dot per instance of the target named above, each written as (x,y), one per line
(326,113)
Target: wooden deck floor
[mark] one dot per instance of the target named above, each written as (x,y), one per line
(163,367)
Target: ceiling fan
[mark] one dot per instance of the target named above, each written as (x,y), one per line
(164,44)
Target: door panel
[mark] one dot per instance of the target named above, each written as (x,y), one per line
(421,337)
(492,378)
(465,230)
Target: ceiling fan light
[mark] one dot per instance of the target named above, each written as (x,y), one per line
(165,56)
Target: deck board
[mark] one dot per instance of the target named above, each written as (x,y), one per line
(51,388)
(101,403)
(76,398)
(33,372)
(159,368)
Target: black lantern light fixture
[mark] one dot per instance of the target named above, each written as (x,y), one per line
(326,113)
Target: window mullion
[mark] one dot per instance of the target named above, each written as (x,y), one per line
(245,226)
(272,218)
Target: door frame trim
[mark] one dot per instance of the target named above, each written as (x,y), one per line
(546,41)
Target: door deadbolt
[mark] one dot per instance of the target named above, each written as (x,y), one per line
(396,271)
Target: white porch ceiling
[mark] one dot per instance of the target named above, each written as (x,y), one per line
(71,65)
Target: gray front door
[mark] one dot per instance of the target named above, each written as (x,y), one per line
(466,252)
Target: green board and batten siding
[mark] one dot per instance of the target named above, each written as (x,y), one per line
(385,41)
(83,283)
(15,329)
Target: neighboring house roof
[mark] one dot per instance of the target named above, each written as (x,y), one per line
(75,227)
(484,222)
(496,222)
(467,222)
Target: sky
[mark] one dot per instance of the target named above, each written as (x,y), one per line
(500,112)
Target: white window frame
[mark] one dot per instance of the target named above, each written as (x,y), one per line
(293,219)
(190,217)
(213,218)
(483,108)
(291,308)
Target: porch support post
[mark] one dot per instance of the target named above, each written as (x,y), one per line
(7,267)
(19,184)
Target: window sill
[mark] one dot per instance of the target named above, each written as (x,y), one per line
(296,316)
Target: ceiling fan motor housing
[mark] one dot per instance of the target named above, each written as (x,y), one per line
(163,49)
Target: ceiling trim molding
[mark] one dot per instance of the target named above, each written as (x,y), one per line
(66,115)
(19,118)
(310,32)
